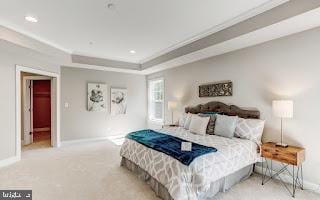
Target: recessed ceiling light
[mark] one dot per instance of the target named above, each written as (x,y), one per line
(111,6)
(132,51)
(31,19)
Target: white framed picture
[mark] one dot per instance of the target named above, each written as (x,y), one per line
(97,97)
(118,101)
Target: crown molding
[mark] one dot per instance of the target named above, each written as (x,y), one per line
(272,16)
(103,68)
(104,62)
(294,25)
(250,13)
(13,37)
(33,36)
(86,54)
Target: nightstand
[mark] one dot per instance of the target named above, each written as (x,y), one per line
(290,156)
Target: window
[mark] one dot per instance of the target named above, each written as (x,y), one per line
(156,100)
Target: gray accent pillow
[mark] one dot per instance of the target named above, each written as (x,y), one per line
(212,121)
(250,129)
(225,125)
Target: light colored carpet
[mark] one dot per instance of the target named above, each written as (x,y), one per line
(91,171)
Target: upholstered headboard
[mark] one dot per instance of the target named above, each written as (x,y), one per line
(232,110)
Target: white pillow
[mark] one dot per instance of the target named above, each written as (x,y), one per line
(198,125)
(188,120)
(225,125)
(182,119)
(250,129)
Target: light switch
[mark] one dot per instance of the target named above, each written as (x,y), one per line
(66,105)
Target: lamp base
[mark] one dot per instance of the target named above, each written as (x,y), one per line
(279,144)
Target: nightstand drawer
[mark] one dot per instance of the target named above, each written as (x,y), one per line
(289,155)
(284,157)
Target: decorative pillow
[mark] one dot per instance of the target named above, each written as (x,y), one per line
(188,120)
(225,125)
(198,125)
(212,121)
(182,119)
(250,129)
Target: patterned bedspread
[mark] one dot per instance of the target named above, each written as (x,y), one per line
(188,182)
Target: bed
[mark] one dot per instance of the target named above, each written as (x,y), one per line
(206,175)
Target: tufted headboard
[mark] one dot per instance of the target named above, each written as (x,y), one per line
(232,110)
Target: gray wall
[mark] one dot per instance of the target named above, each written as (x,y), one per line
(283,68)
(10,55)
(78,123)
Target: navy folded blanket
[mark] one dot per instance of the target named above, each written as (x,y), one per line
(169,145)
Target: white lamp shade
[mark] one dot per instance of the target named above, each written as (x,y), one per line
(172,105)
(282,108)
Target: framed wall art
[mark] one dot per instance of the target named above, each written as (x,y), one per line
(217,89)
(97,97)
(118,101)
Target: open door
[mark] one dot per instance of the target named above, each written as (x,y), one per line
(27,112)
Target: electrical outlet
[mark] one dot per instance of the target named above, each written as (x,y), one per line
(66,105)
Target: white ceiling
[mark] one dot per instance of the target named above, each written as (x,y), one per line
(146,26)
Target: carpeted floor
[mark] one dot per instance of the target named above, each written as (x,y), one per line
(91,171)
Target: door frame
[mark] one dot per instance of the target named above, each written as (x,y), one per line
(41,77)
(55,109)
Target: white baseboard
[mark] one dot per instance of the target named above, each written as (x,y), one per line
(69,142)
(9,161)
(286,178)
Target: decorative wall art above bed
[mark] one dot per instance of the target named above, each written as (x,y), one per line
(216,89)
(97,97)
(118,101)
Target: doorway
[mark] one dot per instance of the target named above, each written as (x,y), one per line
(36,116)
(44,123)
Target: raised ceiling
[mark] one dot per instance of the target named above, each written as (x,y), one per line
(181,32)
(150,27)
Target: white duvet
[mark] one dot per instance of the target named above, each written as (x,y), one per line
(188,182)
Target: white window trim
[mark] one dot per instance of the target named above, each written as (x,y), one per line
(156,121)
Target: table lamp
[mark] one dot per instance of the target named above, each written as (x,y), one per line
(172,105)
(282,109)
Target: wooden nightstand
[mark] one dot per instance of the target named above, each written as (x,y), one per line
(287,156)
